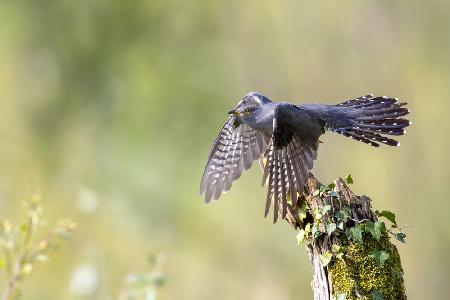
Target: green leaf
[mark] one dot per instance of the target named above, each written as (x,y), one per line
(314,231)
(380,257)
(341,226)
(331,186)
(301,236)
(400,236)
(302,211)
(316,193)
(326,258)
(325,209)
(323,189)
(331,227)
(318,214)
(335,248)
(375,229)
(377,295)
(343,214)
(349,179)
(308,228)
(341,296)
(355,234)
(388,215)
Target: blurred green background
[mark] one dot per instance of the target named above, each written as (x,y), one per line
(110,107)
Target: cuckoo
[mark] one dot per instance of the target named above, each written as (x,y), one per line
(285,138)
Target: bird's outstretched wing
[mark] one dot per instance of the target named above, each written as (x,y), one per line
(289,160)
(233,151)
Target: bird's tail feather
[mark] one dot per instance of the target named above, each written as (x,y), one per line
(371,118)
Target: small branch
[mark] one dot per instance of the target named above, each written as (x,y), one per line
(8,264)
(17,273)
(29,252)
(16,276)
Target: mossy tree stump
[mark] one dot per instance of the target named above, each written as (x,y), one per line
(349,248)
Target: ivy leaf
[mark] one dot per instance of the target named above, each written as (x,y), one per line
(326,258)
(354,233)
(302,211)
(308,228)
(325,209)
(377,295)
(343,214)
(301,236)
(380,257)
(341,296)
(349,179)
(368,226)
(314,231)
(331,186)
(331,227)
(335,248)
(375,229)
(401,237)
(388,215)
(318,214)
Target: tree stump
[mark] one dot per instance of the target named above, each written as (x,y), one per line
(349,248)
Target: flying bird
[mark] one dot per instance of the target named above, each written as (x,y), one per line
(285,138)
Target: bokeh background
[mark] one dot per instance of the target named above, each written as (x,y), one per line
(110,107)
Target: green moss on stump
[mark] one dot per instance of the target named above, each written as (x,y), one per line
(359,272)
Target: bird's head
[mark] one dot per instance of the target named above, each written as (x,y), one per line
(249,106)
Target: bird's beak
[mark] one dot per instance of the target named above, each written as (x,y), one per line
(233,112)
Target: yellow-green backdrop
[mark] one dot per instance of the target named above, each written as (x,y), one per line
(110,107)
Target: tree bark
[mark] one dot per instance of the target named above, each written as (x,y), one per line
(355,274)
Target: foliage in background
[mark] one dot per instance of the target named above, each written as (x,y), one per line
(23,246)
(144,286)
